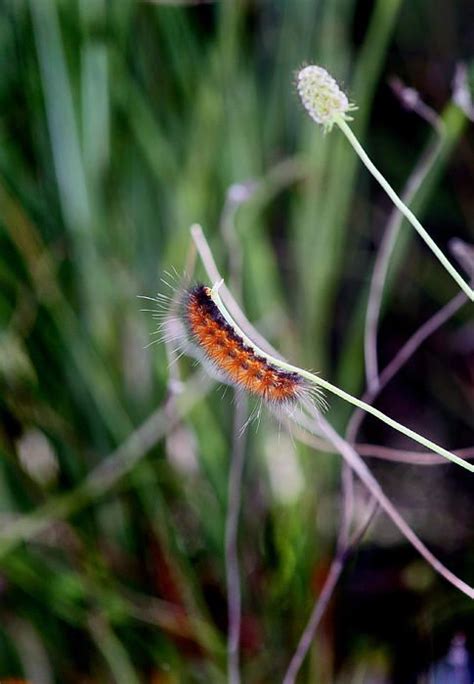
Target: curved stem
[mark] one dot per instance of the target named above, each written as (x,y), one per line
(335,571)
(403,208)
(358,466)
(404,354)
(320,382)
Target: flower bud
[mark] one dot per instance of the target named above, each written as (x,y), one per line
(321,96)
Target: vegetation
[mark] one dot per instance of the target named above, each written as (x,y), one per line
(122,124)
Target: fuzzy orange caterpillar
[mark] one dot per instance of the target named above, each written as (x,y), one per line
(231,356)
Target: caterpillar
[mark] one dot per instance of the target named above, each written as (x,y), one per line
(231,356)
(201,327)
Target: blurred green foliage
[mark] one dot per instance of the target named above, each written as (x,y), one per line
(121,123)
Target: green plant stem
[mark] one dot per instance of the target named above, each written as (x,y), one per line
(410,216)
(319,382)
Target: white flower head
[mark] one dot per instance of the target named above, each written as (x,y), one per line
(321,96)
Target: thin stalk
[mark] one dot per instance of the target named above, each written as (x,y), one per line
(360,469)
(234,608)
(236,195)
(207,258)
(335,571)
(320,382)
(409,215)
(404,354)
(344,549)
(383,453)
(385,253)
